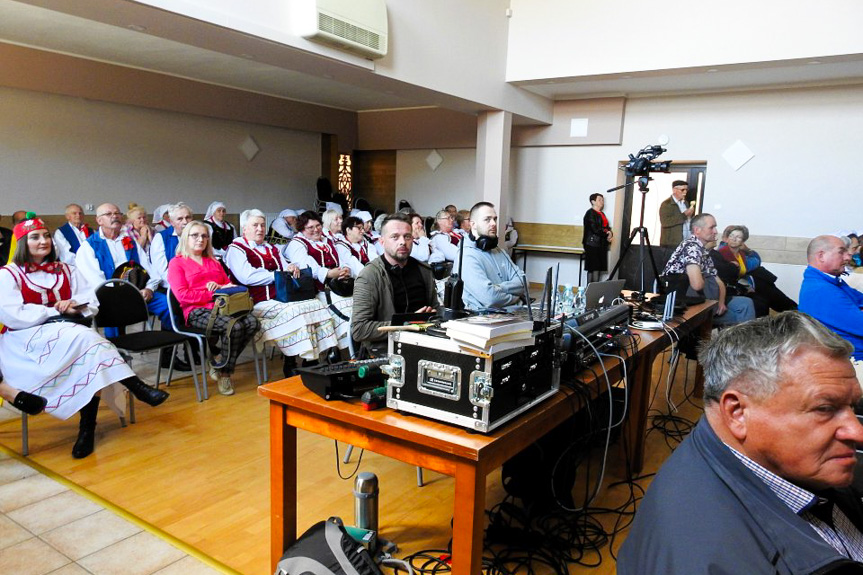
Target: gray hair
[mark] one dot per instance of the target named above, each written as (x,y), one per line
(253,213)
(750,356)
(328,218)
(698,221)
(175,208)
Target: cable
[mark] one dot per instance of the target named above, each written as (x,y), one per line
(339,462)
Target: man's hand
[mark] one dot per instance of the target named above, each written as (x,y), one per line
(147,294)
(721,308)
(425,309)
(688,212)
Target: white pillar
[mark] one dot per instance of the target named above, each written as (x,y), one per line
(494,134)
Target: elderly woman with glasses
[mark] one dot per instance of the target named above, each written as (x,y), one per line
(310,249)
(301,329)
(194,274)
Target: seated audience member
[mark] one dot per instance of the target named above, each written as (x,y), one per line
(392,283)
(451,210)
(310,249)
(741,270)
(510,236)
(421,249)
(332,222)
(854,251)
(764,482)
(826,296)
(5,244)
(490,278)
(368,229)
(300,329)
(693,259)
(463,222)
(194,274)
(68,237)
(445,239)
(162,217)
(282,229)
(353,248)
(222,233)
(138,229)
(108,248)
(61,366)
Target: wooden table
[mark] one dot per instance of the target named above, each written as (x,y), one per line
(468,457)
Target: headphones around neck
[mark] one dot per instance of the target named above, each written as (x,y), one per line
(485,243)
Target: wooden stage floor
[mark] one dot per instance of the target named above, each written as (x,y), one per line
(199,471)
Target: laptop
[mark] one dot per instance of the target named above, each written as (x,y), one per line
(600,294)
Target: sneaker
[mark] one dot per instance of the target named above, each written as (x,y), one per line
(225,385)
(214,374)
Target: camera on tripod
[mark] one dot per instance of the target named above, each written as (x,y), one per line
(642,164)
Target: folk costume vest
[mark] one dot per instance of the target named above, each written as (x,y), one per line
(269,260)
(69,233)
(323,252)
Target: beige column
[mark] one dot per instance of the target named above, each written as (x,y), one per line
(494,131)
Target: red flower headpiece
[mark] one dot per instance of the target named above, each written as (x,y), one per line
(31,224)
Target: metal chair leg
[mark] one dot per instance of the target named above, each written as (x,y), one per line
(419,476)
(25,436)
(347,457)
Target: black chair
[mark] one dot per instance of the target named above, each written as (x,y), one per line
(178,323)
(122,305)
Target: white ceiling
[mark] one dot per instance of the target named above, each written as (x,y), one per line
(175,45)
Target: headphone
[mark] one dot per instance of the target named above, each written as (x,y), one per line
(485,243)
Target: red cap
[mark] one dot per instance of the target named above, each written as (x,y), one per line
(29,225)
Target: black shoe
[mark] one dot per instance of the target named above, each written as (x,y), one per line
(85,444)
(289,366)
(179,363)
(143,392)
(29,403)
(334,356)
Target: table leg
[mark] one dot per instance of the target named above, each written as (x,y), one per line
(636,422)
(283,483)
(468,519)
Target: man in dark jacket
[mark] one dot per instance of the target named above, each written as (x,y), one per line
(762,484)
(392,283)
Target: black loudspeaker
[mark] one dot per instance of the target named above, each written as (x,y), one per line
(630,269)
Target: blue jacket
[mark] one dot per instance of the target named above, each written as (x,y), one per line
(835,304)
(706,513)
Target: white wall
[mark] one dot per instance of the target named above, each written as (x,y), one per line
(57,150)
(454,181)
(562,38)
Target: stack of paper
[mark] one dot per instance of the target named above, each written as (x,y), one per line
(490,333)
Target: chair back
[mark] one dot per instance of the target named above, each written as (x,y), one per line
(178,321)
(120,304)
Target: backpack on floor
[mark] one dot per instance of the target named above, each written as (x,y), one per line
(327,549)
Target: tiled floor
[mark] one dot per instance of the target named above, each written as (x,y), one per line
(47,528)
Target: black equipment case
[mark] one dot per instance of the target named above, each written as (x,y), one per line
(434,377)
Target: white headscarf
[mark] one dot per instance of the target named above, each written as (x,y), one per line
(335,207)
(211,210)
(364,216)
(159,213)
(281,226)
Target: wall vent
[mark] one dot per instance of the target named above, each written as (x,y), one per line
(358,26)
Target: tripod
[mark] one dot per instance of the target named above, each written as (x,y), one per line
(643,240)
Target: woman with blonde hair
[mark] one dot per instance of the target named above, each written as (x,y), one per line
(137,226)
(194,274)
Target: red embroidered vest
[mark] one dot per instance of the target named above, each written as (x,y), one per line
(326,257)
(270,261)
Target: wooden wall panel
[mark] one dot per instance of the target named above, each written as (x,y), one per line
(375,178)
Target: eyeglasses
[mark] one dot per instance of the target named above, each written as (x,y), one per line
(312,227)
(110,214)
(202,236)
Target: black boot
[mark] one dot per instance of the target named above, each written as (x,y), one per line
(179,363)
(143,392)
(86,429)
(289,364)
(29,403)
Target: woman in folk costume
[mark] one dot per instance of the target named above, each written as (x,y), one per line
(63,363)
(222,233)
(332,222)
(354,249)
(301,329)
(283,229)
(138,228)
(161,221)
(310,249)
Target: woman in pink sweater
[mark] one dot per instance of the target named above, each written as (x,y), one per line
(194,274)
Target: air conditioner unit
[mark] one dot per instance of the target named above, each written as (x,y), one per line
(357,26)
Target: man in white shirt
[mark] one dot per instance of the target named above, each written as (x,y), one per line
(69,237)
(164,246)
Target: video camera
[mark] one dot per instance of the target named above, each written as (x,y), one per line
(642,164)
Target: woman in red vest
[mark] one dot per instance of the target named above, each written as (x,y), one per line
(301,329)
(63,365)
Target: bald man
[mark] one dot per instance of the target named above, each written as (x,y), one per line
(824,294)
(69,236)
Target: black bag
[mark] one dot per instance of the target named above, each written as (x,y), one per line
(291,289)
(132,272)
(326,548)
(342,287)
